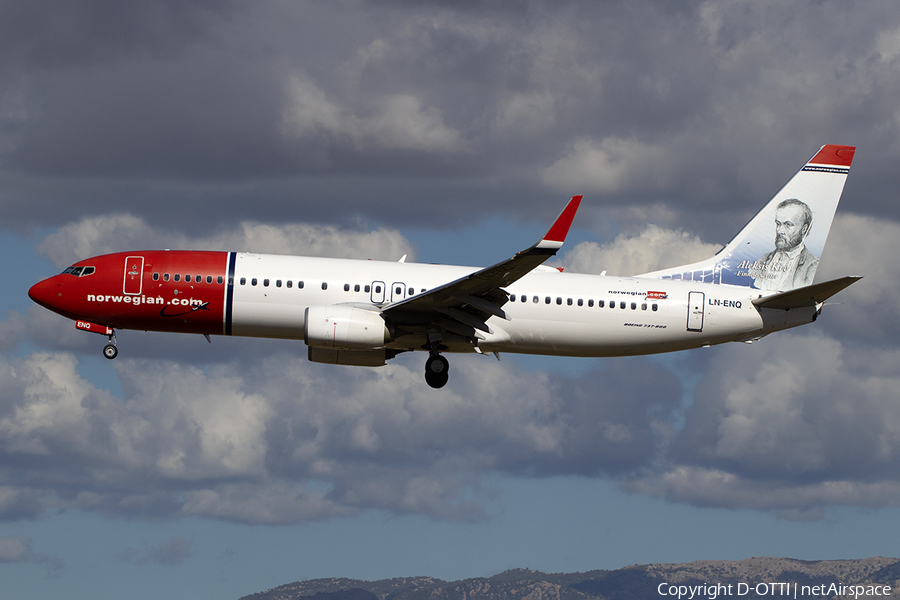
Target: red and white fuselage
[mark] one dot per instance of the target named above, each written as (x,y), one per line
(265,295)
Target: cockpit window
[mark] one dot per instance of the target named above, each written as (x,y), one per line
(79,271)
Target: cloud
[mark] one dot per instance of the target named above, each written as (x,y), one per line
(611,166)
(400,122)
(18,550)
(866,312)
(280,440)
(115,233)
(652,249)
(797,424)
(186,106)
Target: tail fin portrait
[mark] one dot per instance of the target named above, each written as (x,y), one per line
(779,249)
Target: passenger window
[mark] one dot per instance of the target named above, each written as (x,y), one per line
(547,300)
(377,289)
(591,302)
(156,277)
(187,278)
(165,276)
(601,303)
(324,285)
(198,278)
(209,279)
(399,290)
(356,288)
(512,297)
(655,306)
(569,301)
(622,305)
(277,283)
(177,277)
(289,283)
(580,302)
(535,300)
(346,287)
(243,281)
(634,306)
(300,285)
(367,288)
(253,281)
(219,280)
(558,300)
(644,306)
(265,283)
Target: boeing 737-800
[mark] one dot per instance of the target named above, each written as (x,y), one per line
(363,312)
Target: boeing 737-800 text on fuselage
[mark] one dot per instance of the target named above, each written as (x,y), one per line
(363,312)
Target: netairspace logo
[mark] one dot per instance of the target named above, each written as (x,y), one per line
(777,589)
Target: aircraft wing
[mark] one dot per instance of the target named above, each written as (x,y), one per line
(464,305)
(810,295)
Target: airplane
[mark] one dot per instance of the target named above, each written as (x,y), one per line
(365,312)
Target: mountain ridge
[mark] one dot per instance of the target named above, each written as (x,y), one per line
(628,583)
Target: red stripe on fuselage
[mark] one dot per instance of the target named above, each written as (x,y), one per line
(164,304)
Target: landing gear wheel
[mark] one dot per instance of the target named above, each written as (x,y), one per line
(437,371)
(110,351)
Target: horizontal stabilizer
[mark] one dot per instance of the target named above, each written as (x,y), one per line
(810,295)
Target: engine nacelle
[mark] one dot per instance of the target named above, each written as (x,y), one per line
(345,327)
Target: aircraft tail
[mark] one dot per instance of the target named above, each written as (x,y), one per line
(779,249)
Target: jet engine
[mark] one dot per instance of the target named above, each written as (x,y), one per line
(345,327)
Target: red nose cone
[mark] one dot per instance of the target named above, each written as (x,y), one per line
(45,293)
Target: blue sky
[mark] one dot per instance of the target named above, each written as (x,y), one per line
(452,132)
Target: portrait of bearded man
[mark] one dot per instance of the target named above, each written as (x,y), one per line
(790,265)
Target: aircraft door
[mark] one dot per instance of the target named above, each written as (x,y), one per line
(134,269)
(398,291)
(377,295)
(695,311)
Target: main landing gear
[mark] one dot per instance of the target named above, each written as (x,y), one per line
(437,370)
(110,351)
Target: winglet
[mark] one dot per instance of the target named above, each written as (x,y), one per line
(556,235)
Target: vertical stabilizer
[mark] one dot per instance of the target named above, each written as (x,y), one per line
(779,249)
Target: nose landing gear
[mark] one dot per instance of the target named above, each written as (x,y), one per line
(437,371)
